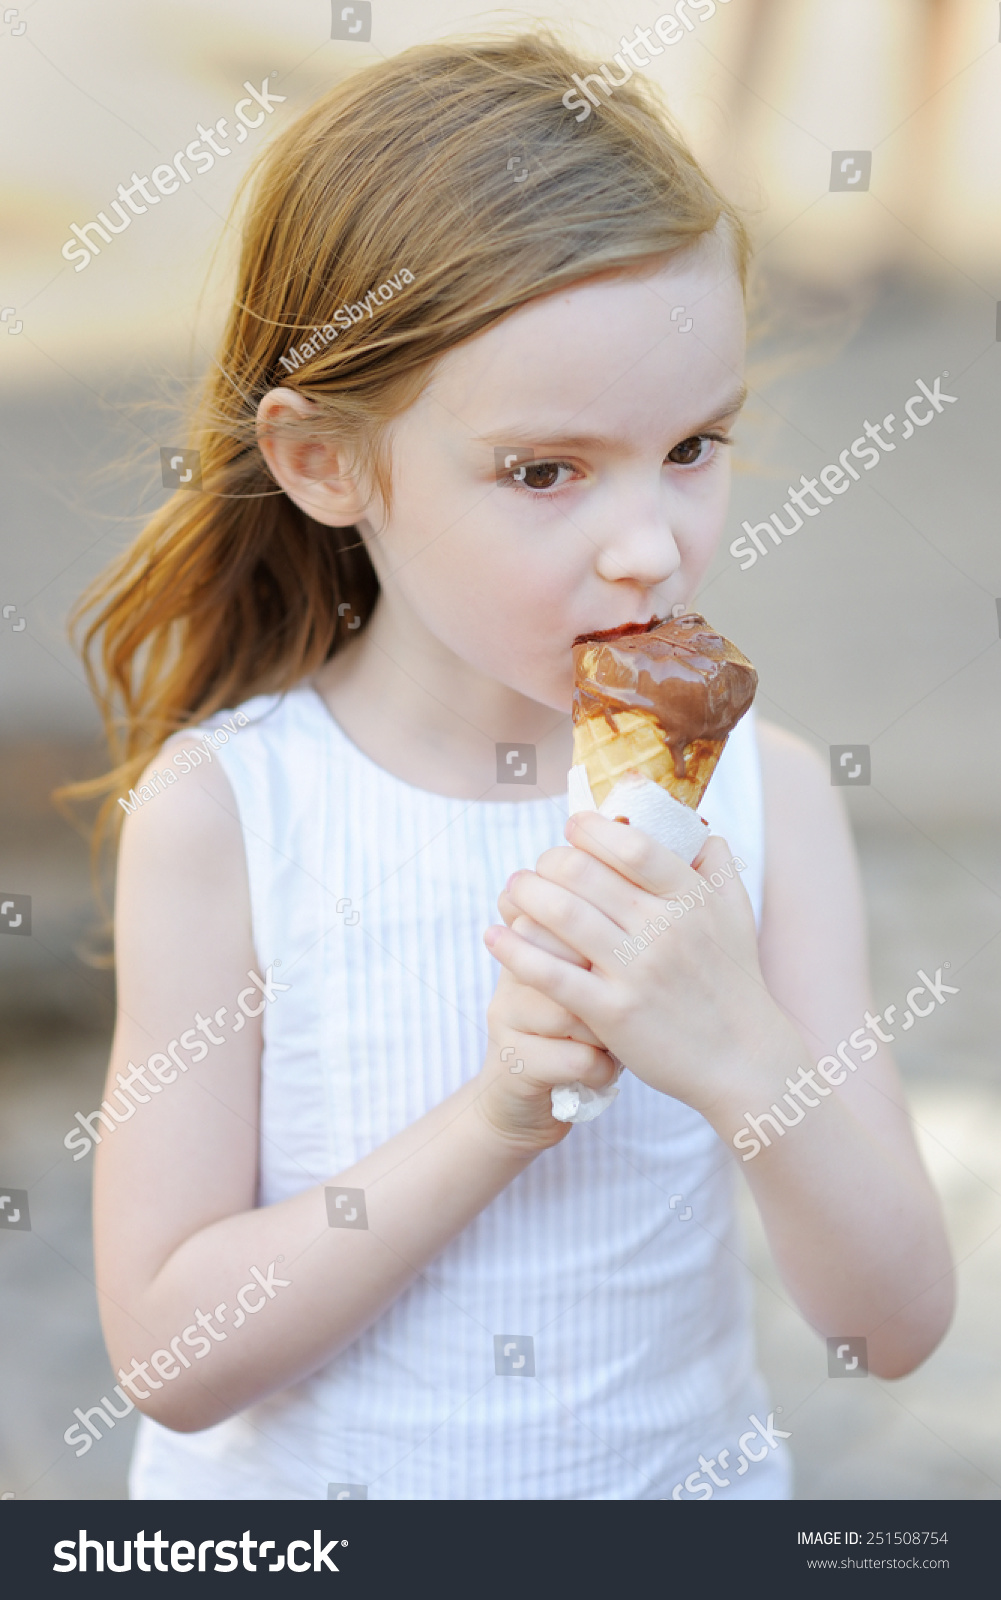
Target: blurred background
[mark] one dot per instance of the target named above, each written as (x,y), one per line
(877,625)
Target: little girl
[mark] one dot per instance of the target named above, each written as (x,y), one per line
(343,1246)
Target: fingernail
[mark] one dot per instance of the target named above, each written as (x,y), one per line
(490,937)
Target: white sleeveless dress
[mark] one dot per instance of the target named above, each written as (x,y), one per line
(374,896)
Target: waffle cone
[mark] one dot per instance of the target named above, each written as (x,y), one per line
(636,745)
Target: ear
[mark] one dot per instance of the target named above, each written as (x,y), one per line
(311,471)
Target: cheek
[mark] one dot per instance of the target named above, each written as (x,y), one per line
(701,523)
(492,584)
(499,604)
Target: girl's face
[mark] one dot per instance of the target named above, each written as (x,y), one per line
(566,471)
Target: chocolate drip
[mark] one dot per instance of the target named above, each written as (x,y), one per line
(695,683)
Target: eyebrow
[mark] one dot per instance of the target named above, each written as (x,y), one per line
(539,439)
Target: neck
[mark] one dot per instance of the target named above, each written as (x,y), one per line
(429,717)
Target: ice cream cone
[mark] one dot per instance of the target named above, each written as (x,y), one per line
(658,699)
(637,745)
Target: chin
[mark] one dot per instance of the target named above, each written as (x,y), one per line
(556,693)
(547,682)
(557,700)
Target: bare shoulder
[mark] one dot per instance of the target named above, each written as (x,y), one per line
(182,811)
(183,897)
(778,744)
(792,772)
(806,828)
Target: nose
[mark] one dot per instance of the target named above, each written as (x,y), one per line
(641,549)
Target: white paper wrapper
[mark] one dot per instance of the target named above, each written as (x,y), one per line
(665,819)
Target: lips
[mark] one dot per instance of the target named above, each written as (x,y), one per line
(624,630)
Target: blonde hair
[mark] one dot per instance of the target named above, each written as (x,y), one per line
(458,162)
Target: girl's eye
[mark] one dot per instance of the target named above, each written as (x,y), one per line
(541,474)
(696,451)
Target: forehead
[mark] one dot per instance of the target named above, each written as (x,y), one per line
(599,355)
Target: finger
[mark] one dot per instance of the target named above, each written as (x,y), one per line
(602,886)
(570,986)
(718,865)
(536,934)
(630,852)
(565,1061)
(532,931)
(507,907)
(532,1012)
(556,1061)
(575,921)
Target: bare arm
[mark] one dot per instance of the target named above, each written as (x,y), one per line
(176,1229)
(849,1210)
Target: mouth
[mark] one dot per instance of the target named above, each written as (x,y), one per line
(621,632)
